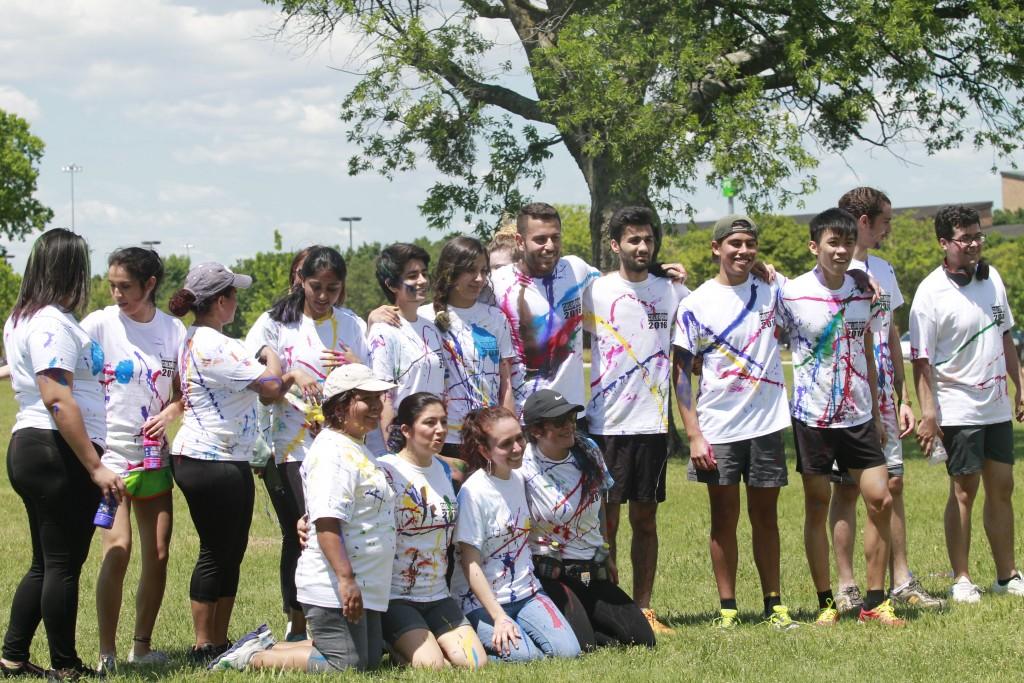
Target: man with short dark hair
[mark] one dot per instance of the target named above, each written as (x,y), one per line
(630,313)
(962,355)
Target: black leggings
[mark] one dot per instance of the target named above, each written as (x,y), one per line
(220,496)
(61,500)
(600,614)
(284,485)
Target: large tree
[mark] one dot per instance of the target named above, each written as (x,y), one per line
(20,152)
(655,97)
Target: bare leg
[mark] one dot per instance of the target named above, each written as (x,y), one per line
(154,520)
(298,621)
(643,518)
(612,513)
(117,549)
(842,516)
(998,515)
(816,502)
(203,618)
(874,489)
(763,510)
(962,491)
(725,515)
(899,567)
(283,657)
(222,619)
(462,647)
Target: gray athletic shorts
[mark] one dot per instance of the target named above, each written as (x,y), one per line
(438,616)
(760,462)
(338,644)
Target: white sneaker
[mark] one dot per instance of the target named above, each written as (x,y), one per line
(1014,587)
(151,658)
(241,653)
(966,592)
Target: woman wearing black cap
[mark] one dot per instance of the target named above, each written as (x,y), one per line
(565,483)
(220,382)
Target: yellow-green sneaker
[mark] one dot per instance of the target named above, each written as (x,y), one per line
(727,620)
(780,619)
(827,615)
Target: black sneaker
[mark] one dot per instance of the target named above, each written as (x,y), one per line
(26,669)
(73,673)
(204,654)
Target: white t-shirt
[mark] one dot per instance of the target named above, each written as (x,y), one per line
(299,345)
(473,347)
(889,300)
(631,363)
(342,480)
(425,514)
(220,411)
(409,356)
(960,331)
(494,518)
(52,338)
(546,315)
(140,360)
(560,507)
(827,327)
(732,330)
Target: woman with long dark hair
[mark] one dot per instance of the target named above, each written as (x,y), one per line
(423,624)
(309,333)
(220,383)
(140,346)
(53,458)
(566,482)
(494,582)
(476,340)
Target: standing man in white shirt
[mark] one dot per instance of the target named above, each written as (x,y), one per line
(873,212)
(630,313)
(962,355)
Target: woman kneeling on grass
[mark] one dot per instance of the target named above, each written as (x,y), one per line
(566,480)
(343,575)
(423,624)
(495,584)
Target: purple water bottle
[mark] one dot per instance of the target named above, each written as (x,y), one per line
(151,458)
(104,518)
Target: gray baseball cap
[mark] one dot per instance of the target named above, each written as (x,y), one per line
(207,279)
(734,222)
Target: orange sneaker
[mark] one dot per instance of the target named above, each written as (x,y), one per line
(883,614)
(656,626)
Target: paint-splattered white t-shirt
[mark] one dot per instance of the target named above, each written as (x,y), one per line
(140,360)
(731,330)
(299,345)
(562,506)
(342,480)
(425,514)
(477,341)
(827,327)
(220,410)
(409,356)
(494,518)
(546,319)
(52,338)
(960,331)
(630,361)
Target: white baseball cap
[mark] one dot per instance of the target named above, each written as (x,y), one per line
(353,376)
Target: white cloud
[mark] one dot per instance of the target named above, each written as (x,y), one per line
(14,101)
(179,193)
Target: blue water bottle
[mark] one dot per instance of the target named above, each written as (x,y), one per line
(104,518)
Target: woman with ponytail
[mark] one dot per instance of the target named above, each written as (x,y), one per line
(310,334)
(423,624)
(476,340)
(220,383)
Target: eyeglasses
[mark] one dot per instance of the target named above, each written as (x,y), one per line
(967,240)
(562,421)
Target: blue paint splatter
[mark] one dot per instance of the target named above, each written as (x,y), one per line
(486,344)
(124,371)
(97,358)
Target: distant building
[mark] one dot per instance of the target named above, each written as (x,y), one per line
(1013,190)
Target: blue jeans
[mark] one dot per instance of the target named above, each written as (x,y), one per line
(543,629)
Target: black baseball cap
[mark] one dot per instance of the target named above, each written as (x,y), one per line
(547,405)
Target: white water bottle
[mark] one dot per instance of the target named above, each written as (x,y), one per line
(938,454)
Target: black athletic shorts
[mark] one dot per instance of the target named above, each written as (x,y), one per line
(854,448)
(970,445)
(637,463)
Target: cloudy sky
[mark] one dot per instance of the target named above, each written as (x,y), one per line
(194,125)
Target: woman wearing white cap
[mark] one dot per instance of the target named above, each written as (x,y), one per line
(220,382)
(343,578)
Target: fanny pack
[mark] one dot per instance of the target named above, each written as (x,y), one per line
(586,571)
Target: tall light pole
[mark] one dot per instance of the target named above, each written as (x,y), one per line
(351,220)
(72,169)
(188,253)
(149,244)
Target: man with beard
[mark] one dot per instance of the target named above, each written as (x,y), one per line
(629,312)
(962,355)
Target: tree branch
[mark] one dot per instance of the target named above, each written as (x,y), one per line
(487,93)
(486,10)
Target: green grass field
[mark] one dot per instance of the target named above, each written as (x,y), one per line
(964,643)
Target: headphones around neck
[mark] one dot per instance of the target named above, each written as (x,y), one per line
(962,278)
